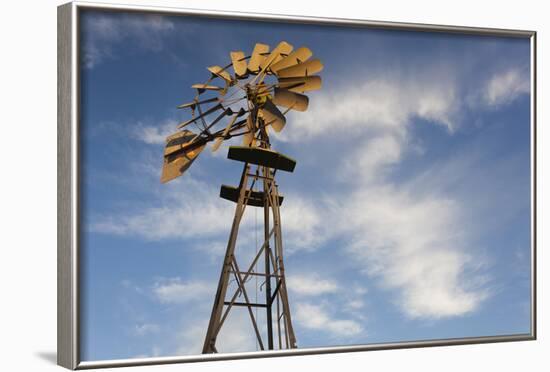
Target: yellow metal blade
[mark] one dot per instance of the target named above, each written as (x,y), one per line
(218,71)
(300,84)
(272,116)
(258,55)
(176,164)
(286,98)
(300,55)
(239,63)
(280,51)
(302,69)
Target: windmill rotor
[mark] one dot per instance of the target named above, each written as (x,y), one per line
(242,82)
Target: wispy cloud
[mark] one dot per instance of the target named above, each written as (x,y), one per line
(175,290)
(316,317)
(504,87)
(236,335)
(154,134)
(387,104)
(103,32)
(187,209)
(416,245)
(190,208)
(311,284)
(413,239)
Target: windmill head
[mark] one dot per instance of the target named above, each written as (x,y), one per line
(244,81)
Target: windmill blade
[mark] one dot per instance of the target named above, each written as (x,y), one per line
(220,72)
(178,141)
(239,63)
(272,116)
(300,55)
(194,103)
(207,112)
(291,100)
(204,87)
(283,49)
(258,56)
(181,149)
(302,69)
(175,166)
(219,140)
(249,137)
(300,84)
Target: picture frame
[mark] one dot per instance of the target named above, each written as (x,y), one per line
(70,169)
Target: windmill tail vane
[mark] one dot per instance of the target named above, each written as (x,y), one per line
(244,99)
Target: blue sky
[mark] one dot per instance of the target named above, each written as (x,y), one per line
(407,217)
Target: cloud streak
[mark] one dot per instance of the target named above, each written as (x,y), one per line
(311,285)
(154,134)
(411,240)
(378,104)
(315,317)
(175,290)
(504,87)
(104,32)
(415,246)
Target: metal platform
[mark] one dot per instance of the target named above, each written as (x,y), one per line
(260,156)
(256,198)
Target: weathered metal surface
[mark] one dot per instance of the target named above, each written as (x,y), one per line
(261,156)
(255,199)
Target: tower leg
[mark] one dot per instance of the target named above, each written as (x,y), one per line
(214,324)
(269,313)
(290,337)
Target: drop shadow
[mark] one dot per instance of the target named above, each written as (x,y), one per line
(48,356)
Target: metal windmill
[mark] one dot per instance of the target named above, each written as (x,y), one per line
(248,100)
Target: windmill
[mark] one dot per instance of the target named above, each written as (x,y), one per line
(246,103)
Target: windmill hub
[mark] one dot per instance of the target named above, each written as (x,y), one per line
(245,100)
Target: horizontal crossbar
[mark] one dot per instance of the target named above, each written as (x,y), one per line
(244,304)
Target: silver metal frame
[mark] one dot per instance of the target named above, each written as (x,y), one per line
(68,345)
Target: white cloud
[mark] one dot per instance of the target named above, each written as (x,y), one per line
(104,32)
(191,338)
(302,224)
(311,285)
(187,209)
(175,290)
(236,335)
(379,104)
(155,134)
(374,156)
(354,305)
(315,317)
(410,239)
(506,86)
(415,245)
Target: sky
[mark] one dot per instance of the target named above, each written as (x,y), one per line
(407,216)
